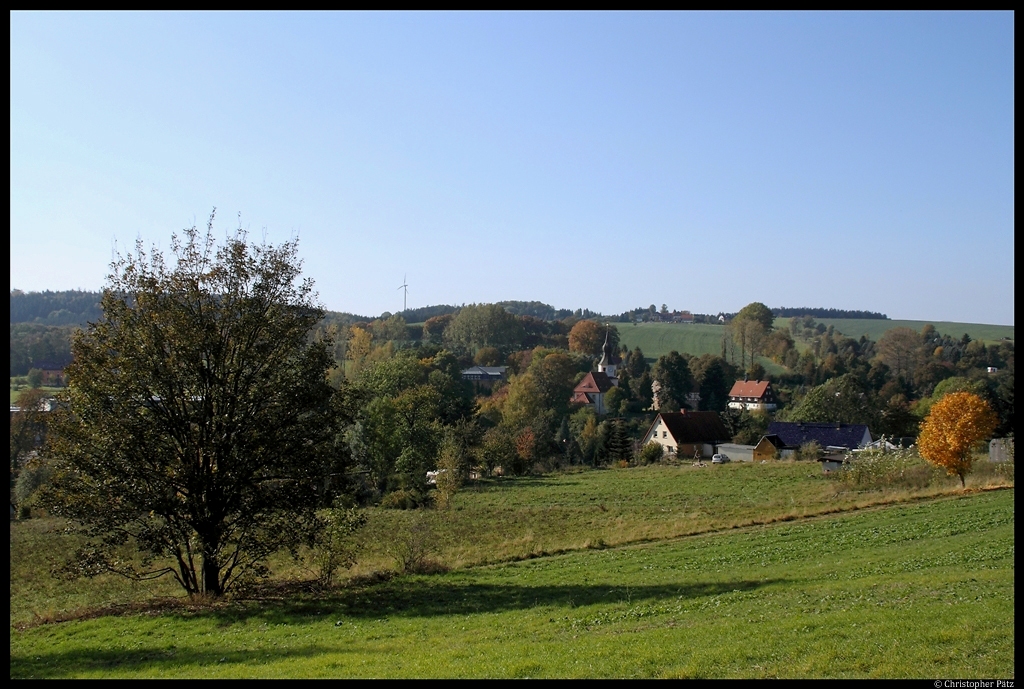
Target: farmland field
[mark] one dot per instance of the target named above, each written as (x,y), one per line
(875,328)
(658,339)
(915,590)
(618,572)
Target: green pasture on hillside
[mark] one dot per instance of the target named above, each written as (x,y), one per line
(921,590)
(657,339)
(875,328)
(502,520)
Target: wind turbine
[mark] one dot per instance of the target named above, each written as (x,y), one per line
(405,298)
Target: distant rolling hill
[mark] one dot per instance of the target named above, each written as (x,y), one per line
(658,339)
(874,329)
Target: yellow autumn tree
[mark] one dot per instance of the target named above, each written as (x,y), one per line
(952,428)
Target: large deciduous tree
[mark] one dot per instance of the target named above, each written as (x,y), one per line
(750,329)
(675,381)
(900,350)
(587,337)
(198,424)
(952,428)
(483,325)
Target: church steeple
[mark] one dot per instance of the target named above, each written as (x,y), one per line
(605,365)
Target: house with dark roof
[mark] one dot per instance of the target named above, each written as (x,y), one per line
(830,436)
(52,372)
(687,433)
(752,395)
(484,376)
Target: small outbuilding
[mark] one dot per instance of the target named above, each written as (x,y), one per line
(770,447)
(737,452)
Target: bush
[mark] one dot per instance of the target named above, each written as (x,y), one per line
(31,478)
(879,469)
(415,546)
(334,546)
(405,499)
(649,454)
(808,451)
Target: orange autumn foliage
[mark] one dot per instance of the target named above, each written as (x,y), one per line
(949,432)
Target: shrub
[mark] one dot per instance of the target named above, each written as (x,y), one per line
(650,453)
(879,469)
(415,546)
(405,499)
(334,546)
(808,451)
(31,478)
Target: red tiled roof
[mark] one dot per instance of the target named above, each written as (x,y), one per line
(595,381)
(749,388)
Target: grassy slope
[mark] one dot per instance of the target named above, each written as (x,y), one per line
(920,590)
(658,339)
(509,519)
(874,329)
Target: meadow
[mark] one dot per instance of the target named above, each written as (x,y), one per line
(658,339)
(874,329)
(918,590)
(738,570)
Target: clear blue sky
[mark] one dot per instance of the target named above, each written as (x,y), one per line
(598,160)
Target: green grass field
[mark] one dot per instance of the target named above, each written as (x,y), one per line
(658,339)
(738,570)
(17,390)
(874,329)
(917,590)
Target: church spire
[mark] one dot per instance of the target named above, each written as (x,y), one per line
(606,364)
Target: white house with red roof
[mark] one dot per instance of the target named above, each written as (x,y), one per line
(752,395)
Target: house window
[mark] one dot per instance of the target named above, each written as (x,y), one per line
(664,434)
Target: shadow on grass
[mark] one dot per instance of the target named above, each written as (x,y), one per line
(416,597)
(165,662)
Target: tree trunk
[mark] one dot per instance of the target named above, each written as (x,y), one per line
(211,576)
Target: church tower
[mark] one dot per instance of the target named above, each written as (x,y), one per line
(607,357)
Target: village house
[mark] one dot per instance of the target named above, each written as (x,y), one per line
(831,437)
(752,395)
(484,377)
(52,373)
(687,433)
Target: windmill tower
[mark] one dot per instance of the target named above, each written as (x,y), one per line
(405,298)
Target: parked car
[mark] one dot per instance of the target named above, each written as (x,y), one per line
(720,459)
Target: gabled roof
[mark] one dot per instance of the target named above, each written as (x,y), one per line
(775,440)
(694,426)
(848,435)
(484,372)
(595,381)
(749,388)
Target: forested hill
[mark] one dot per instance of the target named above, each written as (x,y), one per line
(787,312)
(73,307)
